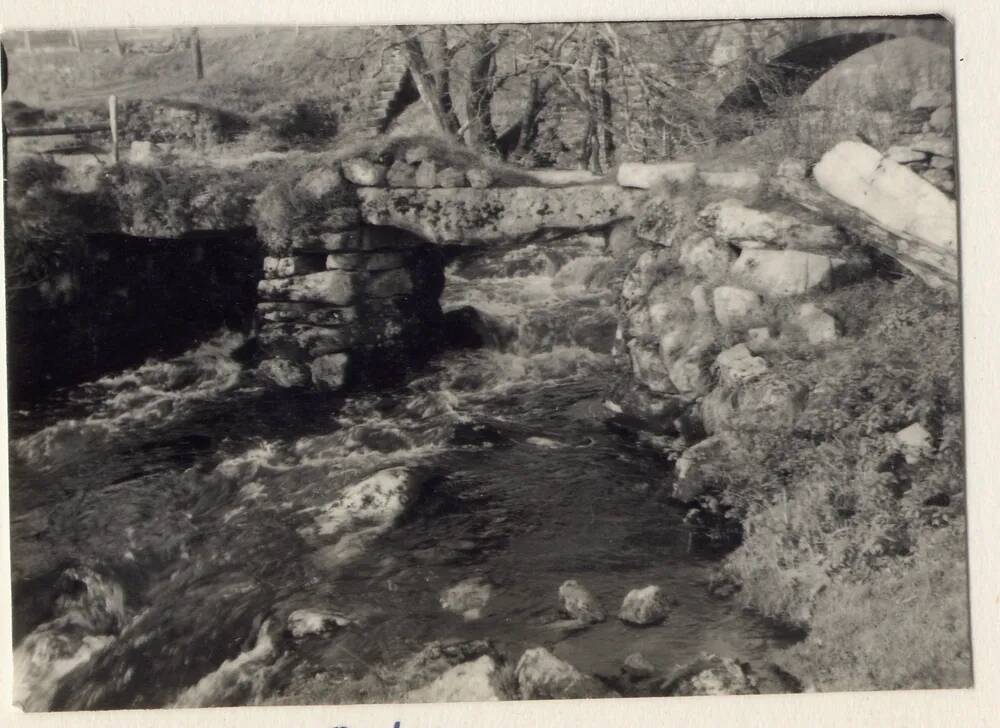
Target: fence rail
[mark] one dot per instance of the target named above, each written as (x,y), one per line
(103,40)
(111,126)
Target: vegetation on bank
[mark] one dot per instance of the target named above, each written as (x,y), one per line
(843,534)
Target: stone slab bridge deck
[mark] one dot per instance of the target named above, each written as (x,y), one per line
(352,279)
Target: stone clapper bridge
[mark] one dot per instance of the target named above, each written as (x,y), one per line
(351,290)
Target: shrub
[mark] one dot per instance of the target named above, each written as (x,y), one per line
(301,122)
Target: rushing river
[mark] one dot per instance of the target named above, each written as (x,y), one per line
(163,519)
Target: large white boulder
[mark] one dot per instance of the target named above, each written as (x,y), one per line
(894,196)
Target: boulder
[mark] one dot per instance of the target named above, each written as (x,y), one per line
(426,174)
(699,299)
(695,468)
(648,269)
(942,179)
(417,154)
(935,144)
(378,261)
(576,602)
(638,667)
(659,219)
(733,221)
(770,403)
(685,350)
(643,607)
(942,163)
(718,409)
(282,373)
(648,175)
(793,168)
(314,622)
(469,682)
(294,265)
(329,372)
(736,307)
(622,240)
(479,178)
(450,177)
(705,256)
(930,99)
(401,174)
(362,172)
(307,313)
(894,196)
(905,155)
(467,598)
(335,287)
(737,365)
(914,442)
(498,214)
(363,511)
(759,340)
(648,367)
(777,273)
(339,219)
(815,324)
(306,341)
(322,185)
(942,119)
(543,676)
(710,675)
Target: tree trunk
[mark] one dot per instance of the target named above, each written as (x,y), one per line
(479,130)
(600,109)
(430,74)
(934,266)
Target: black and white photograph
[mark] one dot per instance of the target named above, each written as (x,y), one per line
(514,361)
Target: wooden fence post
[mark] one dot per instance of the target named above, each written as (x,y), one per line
(199,69)
(27,41)
(75,38)
(119,48)
(113,122)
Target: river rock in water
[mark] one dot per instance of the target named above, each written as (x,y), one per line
(467,597)
(365,510)
(637,667)
(542,675)
(644,606)
(576,601)
(711,675)
(476,681)
(306,622)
